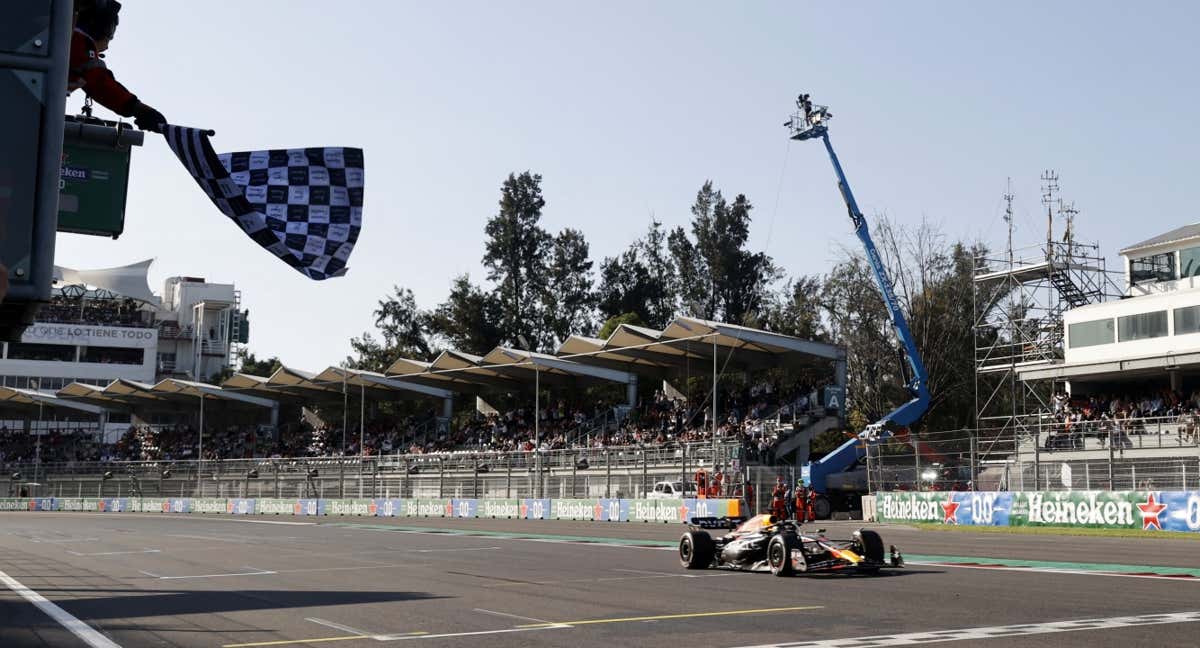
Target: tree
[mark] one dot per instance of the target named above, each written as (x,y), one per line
(515,255)
(568,301)
(255,367)
(403,327)
(469,319)
(613,322)
(640,280)
(718,277)
(797,310)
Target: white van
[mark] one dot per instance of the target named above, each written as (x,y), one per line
(673,490)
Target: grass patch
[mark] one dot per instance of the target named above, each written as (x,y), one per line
(1059,530)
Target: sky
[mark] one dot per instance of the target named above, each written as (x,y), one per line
(626,108)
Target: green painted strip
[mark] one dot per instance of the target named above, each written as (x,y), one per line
(623,542)
(1050,564)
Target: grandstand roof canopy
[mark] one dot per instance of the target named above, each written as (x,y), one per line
(122,394)
(1113,370)
(687,344)
(289,382)
(29,399)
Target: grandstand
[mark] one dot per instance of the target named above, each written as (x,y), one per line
(743,395)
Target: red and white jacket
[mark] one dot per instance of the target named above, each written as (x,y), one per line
(89,72)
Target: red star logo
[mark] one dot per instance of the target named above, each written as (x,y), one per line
(683,512)
(597,512)
(950,511)
(166,507)
(372,508)
(1150,512)
(32,505)
(524,510)
(449,509)
(100,506)
(296,508)
(229,506)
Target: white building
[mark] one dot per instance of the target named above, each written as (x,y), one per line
(1151,335)
(106,325)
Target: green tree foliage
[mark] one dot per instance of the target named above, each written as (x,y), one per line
(515,256)
(568,301)
(613,322)
(403,328)
(796,310)
(640,280)
(718,277)
(252,365)
(470,319)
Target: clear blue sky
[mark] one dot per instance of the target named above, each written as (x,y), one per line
(627,107)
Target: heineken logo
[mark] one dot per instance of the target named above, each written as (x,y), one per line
(1080,510)
(896,507)
(573,510)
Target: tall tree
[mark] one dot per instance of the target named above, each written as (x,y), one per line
(568,301)
(719,278)
(252,365)
(515,257)
(796,310)
(640,280)
(469,319)
(404,330)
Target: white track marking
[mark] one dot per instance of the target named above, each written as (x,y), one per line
(512,616)
(450,550)
(465,634)
(338,626)
(115,553)
(62,541)
(992,632)
(656,573)
(256,572)
(1051,570)
(85,632)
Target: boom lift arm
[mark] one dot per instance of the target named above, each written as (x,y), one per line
(811,122)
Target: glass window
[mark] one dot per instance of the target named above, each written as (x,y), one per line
(43,352)
(1187,320)
(1156,267)
(1085,334)
(1142,326)
(1189,262)
(113,355)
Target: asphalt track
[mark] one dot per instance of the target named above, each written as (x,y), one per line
(159,580)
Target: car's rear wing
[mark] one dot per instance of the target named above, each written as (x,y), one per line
(726,522)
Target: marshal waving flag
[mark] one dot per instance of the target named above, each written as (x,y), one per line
(303,205)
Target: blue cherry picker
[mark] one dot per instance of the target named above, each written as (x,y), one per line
(826,475)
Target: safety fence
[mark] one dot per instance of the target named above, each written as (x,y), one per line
(1134,454)
(626,472)
(1149,511)
(597,510)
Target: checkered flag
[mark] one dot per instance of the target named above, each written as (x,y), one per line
(304,205)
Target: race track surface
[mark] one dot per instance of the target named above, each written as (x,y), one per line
(159,580)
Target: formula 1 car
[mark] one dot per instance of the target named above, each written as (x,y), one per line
(767,543)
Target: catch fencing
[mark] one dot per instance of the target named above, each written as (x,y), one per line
(615,472)
(1137,454)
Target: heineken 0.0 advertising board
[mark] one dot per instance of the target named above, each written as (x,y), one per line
(94,178)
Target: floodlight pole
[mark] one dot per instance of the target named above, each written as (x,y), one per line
(200,453)
(714,402)
(37,468)
(537,431)
(362,417)
(345,412)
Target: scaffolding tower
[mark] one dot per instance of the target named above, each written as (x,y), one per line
(1020,296)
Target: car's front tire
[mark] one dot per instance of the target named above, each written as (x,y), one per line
(779,554)
(696,550)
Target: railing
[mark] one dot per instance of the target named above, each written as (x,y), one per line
(1146,453)
(626,471)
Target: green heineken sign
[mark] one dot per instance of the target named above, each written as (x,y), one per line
(94,178)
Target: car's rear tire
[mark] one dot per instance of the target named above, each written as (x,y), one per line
(696,550)
(779,554)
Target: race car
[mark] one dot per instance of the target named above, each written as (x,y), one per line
(767,543)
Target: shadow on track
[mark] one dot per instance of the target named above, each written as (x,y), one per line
(114,604)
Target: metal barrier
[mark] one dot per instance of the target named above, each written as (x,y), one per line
(1147,453)
(614,472)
